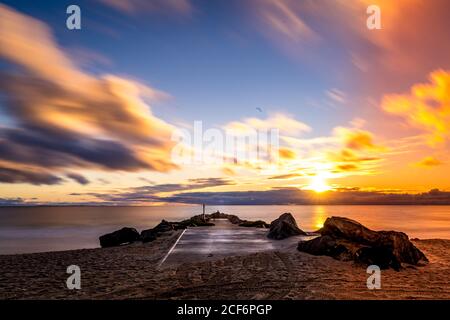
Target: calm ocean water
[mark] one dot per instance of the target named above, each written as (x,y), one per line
(24,230)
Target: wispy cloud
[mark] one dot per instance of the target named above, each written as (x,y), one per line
(283,18)
(78,178)
(336,95)
(286,176)
(285,123)
(134,7)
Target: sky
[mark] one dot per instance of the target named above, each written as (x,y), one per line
(109,113)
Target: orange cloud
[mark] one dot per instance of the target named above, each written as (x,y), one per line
(69,118)
(346,167)
(426,107)
(286,153)
(347,155)
(429,162)
(356,139)
(228,171)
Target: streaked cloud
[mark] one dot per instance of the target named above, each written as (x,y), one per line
(283,19)
(155,193)
(429,162)
(67,118)
(285,123)
(13,175)
(78,178)
(336,95)
(426,107)
(286,176)
(134,7)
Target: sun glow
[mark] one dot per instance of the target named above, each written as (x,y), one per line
(318,182)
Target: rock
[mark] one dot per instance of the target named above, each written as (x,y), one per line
(339,227)
(329,246)
(220,215)
(148,235)
(163,226)
(234,219)
(116,238)
(178,226)
(380,256)
(217,215)
(197,221)
(284,227)
(254,224)
(346,239)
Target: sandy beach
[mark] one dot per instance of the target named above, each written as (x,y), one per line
(134,272)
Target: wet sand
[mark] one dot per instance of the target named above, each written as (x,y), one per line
(272,272)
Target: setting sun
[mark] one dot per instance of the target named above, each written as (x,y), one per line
(318,184)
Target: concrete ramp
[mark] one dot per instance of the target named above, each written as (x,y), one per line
(223,239)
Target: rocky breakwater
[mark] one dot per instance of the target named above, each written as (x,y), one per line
(119,237)
(238,221)
(348,240)
(130,235)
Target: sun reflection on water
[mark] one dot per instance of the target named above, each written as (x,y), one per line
(319,216)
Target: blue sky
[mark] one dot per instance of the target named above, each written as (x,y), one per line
(215,63)
(355,106)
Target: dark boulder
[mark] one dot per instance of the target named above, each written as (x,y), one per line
(178,226)
(197,221)
(163,226)
(148,235)
(217,215)
(380,256)
(346,239)
(339,227)
(284,227)
(329,246)
(234,219)
(254,224)
(116,238)
(220,215)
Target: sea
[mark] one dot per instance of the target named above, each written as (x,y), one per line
(42,229)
